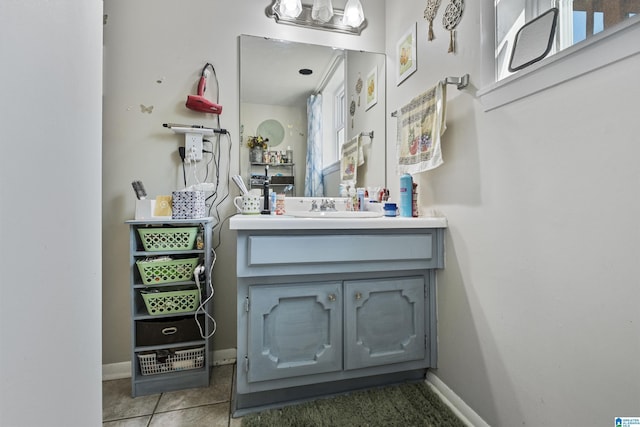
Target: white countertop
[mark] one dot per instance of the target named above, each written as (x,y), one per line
(284,222)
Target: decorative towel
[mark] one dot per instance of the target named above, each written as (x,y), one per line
(421,123)
(352,157)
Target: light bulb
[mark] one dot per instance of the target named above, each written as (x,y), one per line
(289,8)
(353,14)
(322,10)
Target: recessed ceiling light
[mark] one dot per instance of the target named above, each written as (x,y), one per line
(305,71)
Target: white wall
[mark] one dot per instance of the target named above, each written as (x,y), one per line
(538,318)
(154,52)
(50,218)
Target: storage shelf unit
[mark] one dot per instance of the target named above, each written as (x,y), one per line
(180,355)
(258,169)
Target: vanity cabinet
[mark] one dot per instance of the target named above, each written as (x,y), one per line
(297,330)
(325,311)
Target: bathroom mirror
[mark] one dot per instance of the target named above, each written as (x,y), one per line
(533,41)
(277,77)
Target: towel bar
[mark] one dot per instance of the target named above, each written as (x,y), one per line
(460,82)
(369,134)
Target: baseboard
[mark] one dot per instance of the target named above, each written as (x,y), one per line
(116,371)
(457,405)
(224,357)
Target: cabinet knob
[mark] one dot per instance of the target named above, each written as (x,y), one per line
(332,297)
(358,296)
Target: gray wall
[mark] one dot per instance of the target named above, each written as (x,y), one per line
(538,318)
(147,41)
(50,219)
(537,315)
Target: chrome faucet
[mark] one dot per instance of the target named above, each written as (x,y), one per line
(328,205)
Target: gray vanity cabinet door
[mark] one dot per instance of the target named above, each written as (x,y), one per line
(384,321)
(294,330)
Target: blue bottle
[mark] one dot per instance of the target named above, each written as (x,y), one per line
(406,189)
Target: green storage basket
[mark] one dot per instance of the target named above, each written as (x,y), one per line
(157,272)
(163,303)
(156,239)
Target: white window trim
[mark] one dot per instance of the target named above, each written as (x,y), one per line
(602,49)
(339,118)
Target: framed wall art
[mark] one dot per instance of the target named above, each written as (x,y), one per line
(406,55)
(372,88)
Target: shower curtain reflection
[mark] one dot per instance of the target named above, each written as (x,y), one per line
(313,185)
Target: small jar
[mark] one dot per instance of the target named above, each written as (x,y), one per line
(390,209)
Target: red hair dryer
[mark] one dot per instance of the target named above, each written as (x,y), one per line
(199,102)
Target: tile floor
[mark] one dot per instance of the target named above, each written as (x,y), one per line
(194,407)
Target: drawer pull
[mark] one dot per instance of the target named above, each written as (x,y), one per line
(169,331)
(332,297)
(358,296)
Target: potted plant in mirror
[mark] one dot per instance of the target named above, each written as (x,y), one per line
(257,145)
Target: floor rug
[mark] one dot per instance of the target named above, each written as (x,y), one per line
(413,404)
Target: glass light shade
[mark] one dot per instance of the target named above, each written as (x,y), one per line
(353,13)
(289,8)
(322,10)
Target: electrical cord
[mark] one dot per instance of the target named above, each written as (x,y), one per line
(215,76)
(225,196)
(196,274)
(215,200)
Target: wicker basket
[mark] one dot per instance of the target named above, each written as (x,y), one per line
(156,272)
(178,360)
(156,239)
(162,303)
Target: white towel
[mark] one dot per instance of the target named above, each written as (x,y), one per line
(352,157)
(421,123)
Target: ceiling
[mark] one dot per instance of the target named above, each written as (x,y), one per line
(269,70)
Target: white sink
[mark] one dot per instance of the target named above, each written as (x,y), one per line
(335,214)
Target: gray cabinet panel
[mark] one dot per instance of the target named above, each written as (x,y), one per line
(384,321)
(338,248)
(294,330)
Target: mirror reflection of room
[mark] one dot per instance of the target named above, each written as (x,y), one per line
(296,100)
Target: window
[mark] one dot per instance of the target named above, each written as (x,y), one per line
(589,34)
(333,117)
(338,121)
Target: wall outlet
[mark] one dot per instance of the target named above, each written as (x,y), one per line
(193,147)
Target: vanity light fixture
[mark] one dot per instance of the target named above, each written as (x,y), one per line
(322,10)
(288,8)
(314,16)
(353,13)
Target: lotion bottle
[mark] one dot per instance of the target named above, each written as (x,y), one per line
(406,195)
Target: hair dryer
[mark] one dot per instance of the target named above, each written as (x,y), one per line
(199,102)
